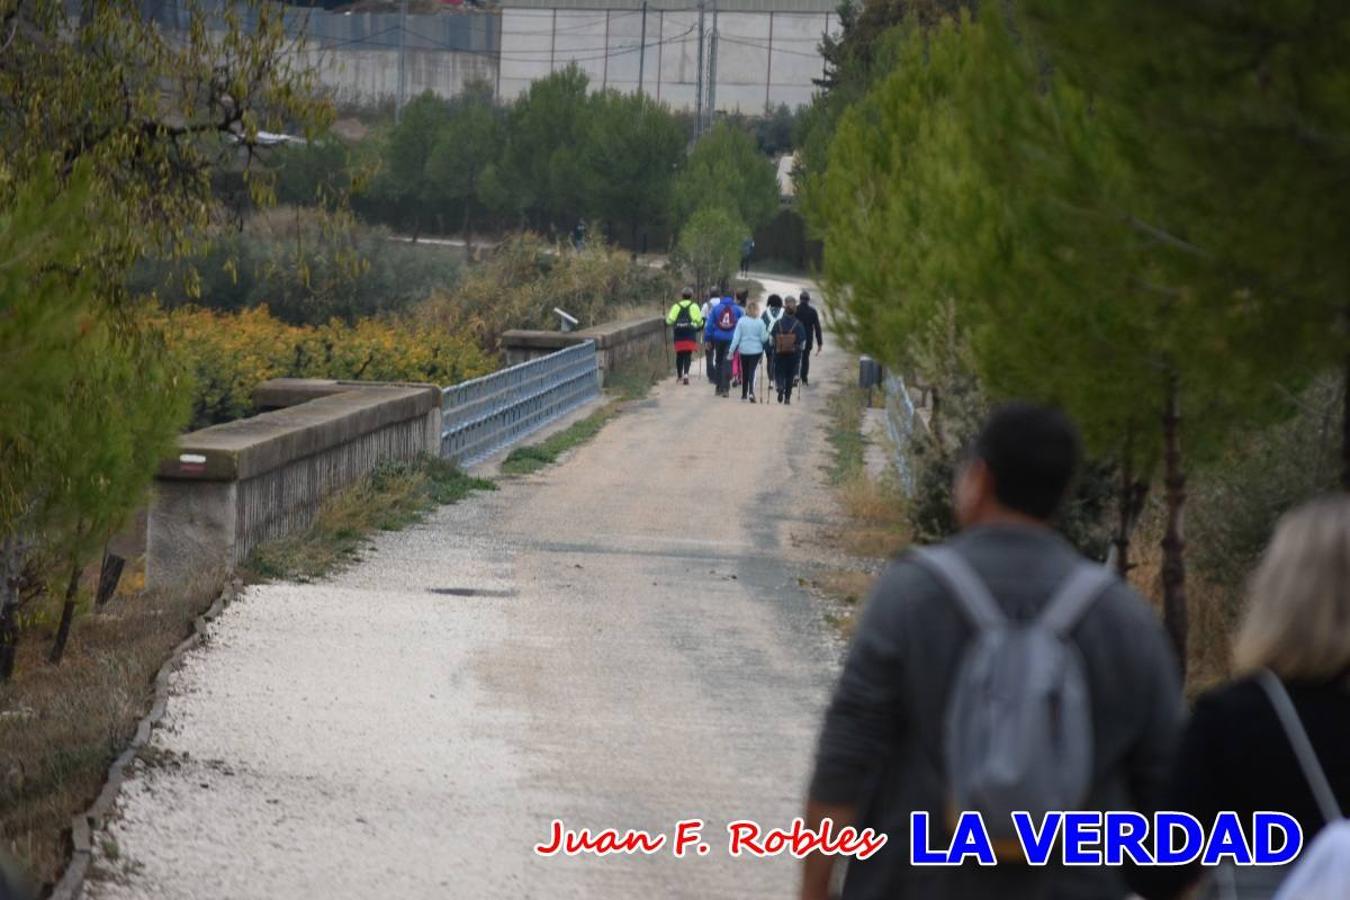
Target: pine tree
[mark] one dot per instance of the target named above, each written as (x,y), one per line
(974,175)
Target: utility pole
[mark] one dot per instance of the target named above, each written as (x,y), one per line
(698,101)
(642,53)
(711,107)
(402,60)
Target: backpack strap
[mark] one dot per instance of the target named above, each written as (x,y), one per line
(962,582)
(1303,748)
(1074,596)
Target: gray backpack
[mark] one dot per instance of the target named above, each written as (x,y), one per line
(1018,734)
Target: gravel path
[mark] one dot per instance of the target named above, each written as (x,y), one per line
(619,641)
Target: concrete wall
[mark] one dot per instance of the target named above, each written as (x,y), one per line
(235,485)
(767,49)
(617,344)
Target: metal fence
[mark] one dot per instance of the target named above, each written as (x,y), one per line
(902,423)
(491,413)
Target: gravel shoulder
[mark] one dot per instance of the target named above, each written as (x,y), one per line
(618,641)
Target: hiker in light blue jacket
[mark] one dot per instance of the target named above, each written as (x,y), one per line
(749,339)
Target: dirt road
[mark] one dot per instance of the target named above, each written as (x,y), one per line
(619,641)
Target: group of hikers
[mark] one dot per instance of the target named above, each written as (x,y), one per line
(1003,671)
(736,335)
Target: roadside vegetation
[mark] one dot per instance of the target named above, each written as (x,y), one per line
(875,527)
(1026,201)
(62,726)
(391,498)
(227,355)
(530,458)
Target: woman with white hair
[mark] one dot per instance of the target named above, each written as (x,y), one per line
(1278,738)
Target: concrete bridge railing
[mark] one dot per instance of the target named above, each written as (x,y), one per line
(616,343)
(235,485)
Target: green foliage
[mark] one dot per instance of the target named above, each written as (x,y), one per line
(633,146)
(1237,501)
(153,114)
(440,161)
(775,131)
(409,149)
(466,148)
(88,403)
(1238,121)
(558,155)
(861,52)
(306,268)
(323,172)
(114,134)
(710,246)
(1083,202)
(727,171)
(544,172)
(960,177)
(530,458)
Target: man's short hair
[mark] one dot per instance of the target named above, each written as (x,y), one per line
(743,294)
(1032,452)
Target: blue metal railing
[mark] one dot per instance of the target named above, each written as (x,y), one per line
(488,414)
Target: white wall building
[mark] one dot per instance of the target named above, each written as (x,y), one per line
(767,51)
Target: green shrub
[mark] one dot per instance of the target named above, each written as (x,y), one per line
(1237,501)
(305,267)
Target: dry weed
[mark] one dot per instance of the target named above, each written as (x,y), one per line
(61,726)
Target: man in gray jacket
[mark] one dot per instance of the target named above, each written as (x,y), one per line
(881,748)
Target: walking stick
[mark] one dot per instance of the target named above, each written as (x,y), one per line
(763,364)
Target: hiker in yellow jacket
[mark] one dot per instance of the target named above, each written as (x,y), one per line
(687,319)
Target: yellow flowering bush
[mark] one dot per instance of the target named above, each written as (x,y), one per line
(229,354)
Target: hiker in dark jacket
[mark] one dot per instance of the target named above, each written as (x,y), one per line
(773,311)
(882,747)
(810,319)
(1236,753)
(787,337)
(709,351)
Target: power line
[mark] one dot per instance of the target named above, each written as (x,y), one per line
(581,26)
(603,52)
(769,49)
